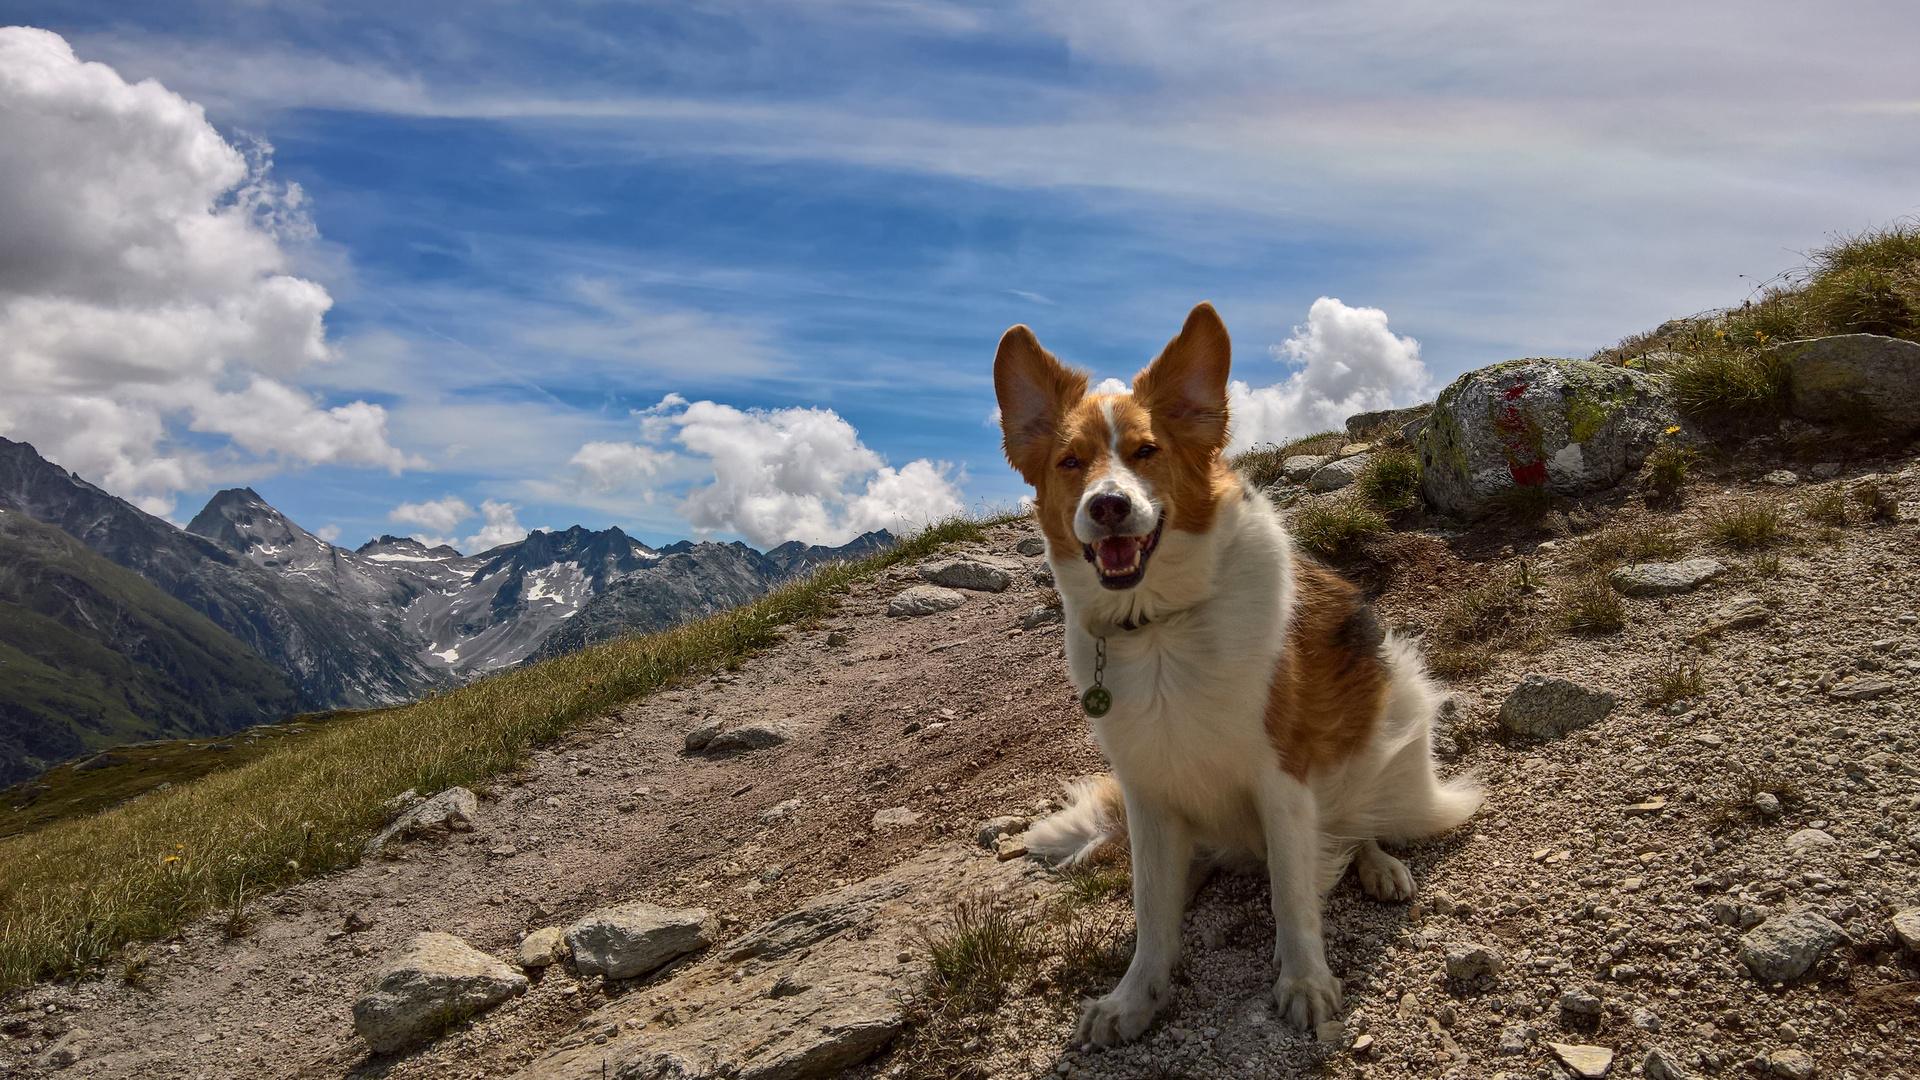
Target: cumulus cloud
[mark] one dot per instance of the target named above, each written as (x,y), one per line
(1112,385)
(144,287)
(329,533)
(1348,362)
(500,524)
(777,474)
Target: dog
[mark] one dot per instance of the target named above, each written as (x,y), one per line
(1244,697)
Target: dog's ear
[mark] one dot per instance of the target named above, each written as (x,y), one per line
(1185,388)
(1035,392)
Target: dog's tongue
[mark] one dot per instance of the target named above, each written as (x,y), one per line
(1118,554)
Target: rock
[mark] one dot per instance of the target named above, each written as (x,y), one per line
(1852,689)
(1809,840)
(1664,579)
(1791,1064)
(1853,378)
(1362,1046)
(1473,961)
(1031,545)
(1361,423)
(1906,928)
(632,939)
(1781,478)
(836,639)
(1587,1062)
(925,600)
(1548,707)
(779,812)
(454,807)
(1580,1004)
(1335,475)
(966,574)
(1660,1065)
(1043,576)
(1646,1020)
(1331,1033)
(1767,804)
(542,947)
(756,736)
(894,817)
(1042,616)
(430,982)
(699,737)
(1515,1039)
(1009,847)
(1300,467)
(993,829)
(1571,425)
(1739,613)
(1784,947)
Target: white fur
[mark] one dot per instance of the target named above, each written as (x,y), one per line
(1187,741)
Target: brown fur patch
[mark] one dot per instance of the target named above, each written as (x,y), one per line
(1331,682)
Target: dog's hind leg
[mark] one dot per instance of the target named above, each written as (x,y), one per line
(1306,992)
(1162,859)
(1382,876)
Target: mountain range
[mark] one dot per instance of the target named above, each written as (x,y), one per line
(118,626)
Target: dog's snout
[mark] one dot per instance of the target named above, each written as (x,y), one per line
(1109,511)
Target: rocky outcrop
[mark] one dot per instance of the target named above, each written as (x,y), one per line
(1571,426)
(454,808)
(808,995)
(430,983)
(1856,379)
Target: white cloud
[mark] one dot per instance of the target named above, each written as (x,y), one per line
(502,527)
(777,474)
(1349,362)
(1111,385)
(678,340)
(144,287)
(329,533)
(440,515)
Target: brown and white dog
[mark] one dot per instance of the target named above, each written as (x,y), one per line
(1256,707)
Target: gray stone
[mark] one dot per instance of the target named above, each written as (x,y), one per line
(1581,1004)
(836,639)
(1548,707)
(1646,1020)
(994,828)
(1362,423)
(975,574)
(1586,1062)
(1854,378)
(1031,545)
(1768,804)
(755,736)
(1571,425)
(1335,475)
(429,983)
(453,808)
(894,817)
(1473,961)
(1852,689)
(1791,1064)
(925,600)
(542,947)
(1665,579)
(1906,928)
(1781,478)
(632,939)
(1515,1039)
(779,812)
(1784,947)
(1739,613)
(701,735)
(1660,1065)
(1809,840)
(1300,467)
(1042,616)
(1043,576)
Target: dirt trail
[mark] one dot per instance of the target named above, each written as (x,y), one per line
(958,718)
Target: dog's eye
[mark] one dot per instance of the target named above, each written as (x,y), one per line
(1069,462)
(1145,452)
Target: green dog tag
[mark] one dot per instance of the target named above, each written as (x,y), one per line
(1096,701)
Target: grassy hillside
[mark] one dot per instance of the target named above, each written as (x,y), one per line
(92,655)
(75,890)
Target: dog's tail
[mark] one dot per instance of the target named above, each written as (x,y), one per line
(1095,816)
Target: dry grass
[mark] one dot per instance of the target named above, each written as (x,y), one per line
(1828,506)
(1746,524)
(1588,605)
(1261,465)
(1106,875)
(989,949)
(1334,527)
(1637,541)
(1674,681)
(1390,481)
(1522,505)
(76,890)
(1499,615)
(1877,503)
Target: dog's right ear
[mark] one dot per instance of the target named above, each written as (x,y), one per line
(1035,392)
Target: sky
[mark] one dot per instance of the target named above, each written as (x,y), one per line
(737,270)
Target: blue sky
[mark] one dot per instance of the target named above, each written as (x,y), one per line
(534,222)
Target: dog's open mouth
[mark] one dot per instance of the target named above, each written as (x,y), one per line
(1121,560)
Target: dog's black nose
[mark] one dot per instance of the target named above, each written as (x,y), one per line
(1108,511)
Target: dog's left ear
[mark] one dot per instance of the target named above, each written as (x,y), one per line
(1185,388)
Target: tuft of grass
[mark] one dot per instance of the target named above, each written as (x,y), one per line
(1640,540)
(75,891)
(1106,874)
(1091,945)
(1878,503)
(239,921)
(1390,481)
(1521,504)
(1673,681)
(133,971)
(1261,465)
(1334,527)
(1828,506)
(989,949)
(1480,622)
(1746,524)
(1590,606)
(1735,381)
(1667,468)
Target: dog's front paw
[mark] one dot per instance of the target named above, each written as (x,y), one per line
(1384,877)
(1307,1000)
(1118,1018)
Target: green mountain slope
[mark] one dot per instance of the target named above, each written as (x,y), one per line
(93,655)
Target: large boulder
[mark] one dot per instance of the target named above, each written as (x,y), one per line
(630,940)
(1335,475)
(1854,378)
(1572,426)
(1365,423)
(429,983)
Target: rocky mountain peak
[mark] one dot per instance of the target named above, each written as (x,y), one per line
(242,520)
